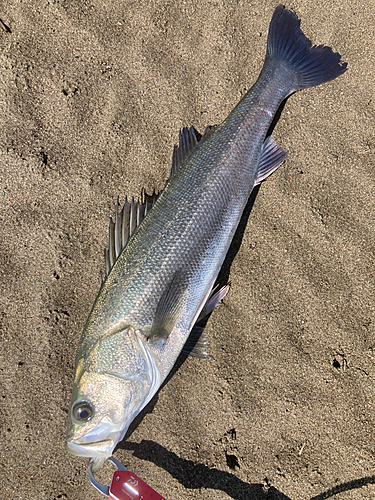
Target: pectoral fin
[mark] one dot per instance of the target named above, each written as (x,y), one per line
(169,308)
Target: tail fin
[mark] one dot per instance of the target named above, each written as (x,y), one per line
(311,65)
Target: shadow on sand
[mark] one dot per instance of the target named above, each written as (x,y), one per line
(196,476)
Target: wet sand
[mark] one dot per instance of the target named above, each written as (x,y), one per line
(92,96)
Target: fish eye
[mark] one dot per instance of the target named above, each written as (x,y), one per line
(82,411)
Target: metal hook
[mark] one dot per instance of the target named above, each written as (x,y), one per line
(100,487)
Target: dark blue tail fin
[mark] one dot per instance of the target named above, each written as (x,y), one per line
(286,43)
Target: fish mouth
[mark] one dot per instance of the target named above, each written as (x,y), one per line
(95,449)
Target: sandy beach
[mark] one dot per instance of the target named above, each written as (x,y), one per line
(92,96)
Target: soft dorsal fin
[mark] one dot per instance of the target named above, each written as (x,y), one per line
(271,158)
(126,220)
(123,225)
(187,142)
(169,307)
(207,131)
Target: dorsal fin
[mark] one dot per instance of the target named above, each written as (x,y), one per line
(187,142)
(207,131)
(123,225)
(126,220)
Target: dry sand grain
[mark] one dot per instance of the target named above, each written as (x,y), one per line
(92,95)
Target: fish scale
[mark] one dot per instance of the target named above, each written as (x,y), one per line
(155,290)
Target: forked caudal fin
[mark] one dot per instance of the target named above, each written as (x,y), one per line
(311,65)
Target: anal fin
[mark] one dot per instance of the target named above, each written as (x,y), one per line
(271,158)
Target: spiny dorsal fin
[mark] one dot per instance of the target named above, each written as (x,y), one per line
(123,225)
(207,131)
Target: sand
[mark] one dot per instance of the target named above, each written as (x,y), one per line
(92,95)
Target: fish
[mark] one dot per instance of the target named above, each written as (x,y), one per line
(166,249)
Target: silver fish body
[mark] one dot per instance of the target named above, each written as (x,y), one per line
(161,280)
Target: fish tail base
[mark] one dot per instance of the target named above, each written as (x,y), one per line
(309,65)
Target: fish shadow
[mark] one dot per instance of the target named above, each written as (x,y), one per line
(195,476)
(224,273)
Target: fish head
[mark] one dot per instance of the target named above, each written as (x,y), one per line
(107,395)
(102,409)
